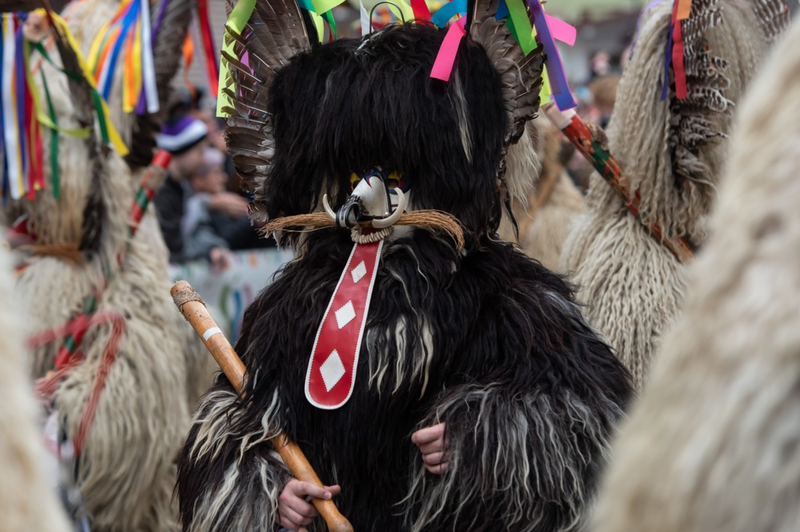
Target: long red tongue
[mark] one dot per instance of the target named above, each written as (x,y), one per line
(331,375)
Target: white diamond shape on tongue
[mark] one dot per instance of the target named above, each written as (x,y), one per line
(332,370)
(345,314)
(359,272)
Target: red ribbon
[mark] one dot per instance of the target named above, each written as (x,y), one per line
(680,12)
(421,11)
(212,68)
(34,161)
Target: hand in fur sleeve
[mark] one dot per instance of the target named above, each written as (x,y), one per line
(227,458)
(294,509)
(517,460)
(434,447)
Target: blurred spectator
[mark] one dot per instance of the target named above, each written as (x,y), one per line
(604,95)
(224,211)
(601,64)
(185,138)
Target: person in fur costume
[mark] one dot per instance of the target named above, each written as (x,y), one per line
(545,219)
(433,383)
(122,397)
(28,498)
(713,442)
(672,151)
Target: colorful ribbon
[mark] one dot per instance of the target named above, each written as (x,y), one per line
(236,22)
(212,68)
(366,23)
(12,147)
(446,58)
(680,12)
(421,11)
(109,134)
(188,58)
(519,23)
(448,11)
(555,68)
(128,34)
(549,29)
(23,114)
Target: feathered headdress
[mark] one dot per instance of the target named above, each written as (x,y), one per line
(691,62)
(270,49)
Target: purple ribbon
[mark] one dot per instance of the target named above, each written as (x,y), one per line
(555,68)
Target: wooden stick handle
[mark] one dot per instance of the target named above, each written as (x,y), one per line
(194,310)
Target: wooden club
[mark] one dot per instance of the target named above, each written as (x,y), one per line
(194,310)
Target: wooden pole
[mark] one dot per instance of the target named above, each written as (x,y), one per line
(194,310)
(592,142)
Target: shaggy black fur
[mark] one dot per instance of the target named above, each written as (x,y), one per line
(338,110)
(492,322)
(500,326)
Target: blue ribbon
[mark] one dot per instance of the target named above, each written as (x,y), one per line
(502,11)
(21,79)
(127,22)
(448,11)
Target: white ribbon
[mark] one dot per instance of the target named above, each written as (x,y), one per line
(366,23)
(148,69)
(15,178)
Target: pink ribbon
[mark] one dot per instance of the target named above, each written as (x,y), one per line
(446,58)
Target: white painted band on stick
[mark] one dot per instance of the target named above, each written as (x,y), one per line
(211,332)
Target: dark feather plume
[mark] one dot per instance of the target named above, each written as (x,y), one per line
(521,75)
(774,16)
(275,33)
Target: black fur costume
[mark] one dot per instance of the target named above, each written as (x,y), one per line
(487,341)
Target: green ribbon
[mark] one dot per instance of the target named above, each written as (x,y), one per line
(323,6)
(521,22)
(97,102)
(236,23)
(81,133)
(101,116)
(53,141)
(329,16)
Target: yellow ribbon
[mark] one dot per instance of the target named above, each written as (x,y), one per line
(113,134)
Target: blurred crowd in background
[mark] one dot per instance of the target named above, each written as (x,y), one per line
(201,206)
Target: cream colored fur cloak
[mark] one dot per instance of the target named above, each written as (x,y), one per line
(714,443)
(544,222)
(126,470)
(28,498)
(673,152)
